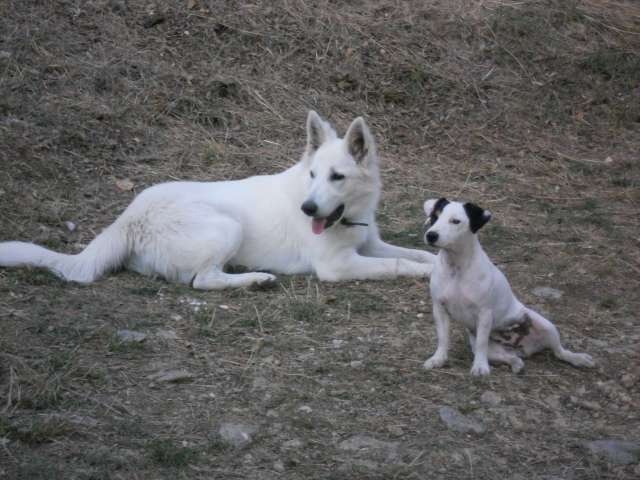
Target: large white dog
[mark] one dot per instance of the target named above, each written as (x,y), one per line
(317,216)
(467,287)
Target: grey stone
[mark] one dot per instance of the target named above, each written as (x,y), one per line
(491,398)
(130,336)
(362,444)
(172,376)
(458,422)
(237,434)
(548,293)
(616,451)
(167,334)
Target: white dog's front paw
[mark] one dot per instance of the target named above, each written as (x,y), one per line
(583,360)
(480,369)
(425,257)
(436,361)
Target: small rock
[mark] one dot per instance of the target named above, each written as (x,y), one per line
(278,466)
(172,376)
(547,293)
(305,409)
(458,422)
(237,434)
(130,336)
(616,451)
(337,343)
(167,334)
(356,364)
(70,226)
(491,398)
(291,444)
(153,20)
(371,446)
(395,430)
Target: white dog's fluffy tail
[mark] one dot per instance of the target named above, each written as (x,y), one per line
(105,253)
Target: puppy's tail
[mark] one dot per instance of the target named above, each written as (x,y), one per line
(105,253)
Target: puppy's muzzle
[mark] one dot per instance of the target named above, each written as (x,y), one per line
(431,237)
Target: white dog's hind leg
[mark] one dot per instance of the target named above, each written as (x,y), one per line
(216,279)
(545,334)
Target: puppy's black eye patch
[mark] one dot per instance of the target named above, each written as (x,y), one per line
(437,210)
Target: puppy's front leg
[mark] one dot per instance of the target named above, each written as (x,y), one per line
(483,331)
(357,267)
(441,317)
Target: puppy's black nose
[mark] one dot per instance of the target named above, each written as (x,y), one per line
(432,237)
(309,207)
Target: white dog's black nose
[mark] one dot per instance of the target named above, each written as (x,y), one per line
(309,207)
(432,237)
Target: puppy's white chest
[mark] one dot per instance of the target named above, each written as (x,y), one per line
(458,303)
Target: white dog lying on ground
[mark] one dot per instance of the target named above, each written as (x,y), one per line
(467,287)
(318,216)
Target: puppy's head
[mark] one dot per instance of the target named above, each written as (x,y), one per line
(449,223)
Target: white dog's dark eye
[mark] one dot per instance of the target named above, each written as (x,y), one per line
(335,176)
(455,221)
(312,175)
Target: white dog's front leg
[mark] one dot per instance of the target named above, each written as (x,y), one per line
(483,331)
(441,317)
(357,267)
(375,247)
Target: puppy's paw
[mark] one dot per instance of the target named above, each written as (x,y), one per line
(265,281)
(436,361)
(480,370)
(517,365)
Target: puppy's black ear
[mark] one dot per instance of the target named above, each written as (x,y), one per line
(478,216)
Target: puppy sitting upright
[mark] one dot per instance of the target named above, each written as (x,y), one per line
(467,287)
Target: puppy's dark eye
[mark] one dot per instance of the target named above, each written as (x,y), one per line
(335,176)
(312,175)
(455,221)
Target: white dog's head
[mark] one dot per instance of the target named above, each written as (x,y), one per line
(343,179)
(452,223)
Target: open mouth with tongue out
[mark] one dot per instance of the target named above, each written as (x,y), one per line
(320,224)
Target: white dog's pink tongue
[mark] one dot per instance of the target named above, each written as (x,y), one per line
(317,225)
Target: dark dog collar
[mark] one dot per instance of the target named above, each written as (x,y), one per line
(348,223)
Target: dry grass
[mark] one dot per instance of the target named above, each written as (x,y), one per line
(530,108)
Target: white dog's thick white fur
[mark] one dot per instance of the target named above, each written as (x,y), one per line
(465,286)
(188,232)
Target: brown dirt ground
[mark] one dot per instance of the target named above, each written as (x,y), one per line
(529,108)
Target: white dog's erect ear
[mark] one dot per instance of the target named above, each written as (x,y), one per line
(478,216)
(318,131)
(359,140)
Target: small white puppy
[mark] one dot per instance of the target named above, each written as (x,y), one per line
(467,287)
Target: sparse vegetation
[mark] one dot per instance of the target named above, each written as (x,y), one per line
(528,108)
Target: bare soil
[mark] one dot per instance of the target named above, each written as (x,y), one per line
(531,109)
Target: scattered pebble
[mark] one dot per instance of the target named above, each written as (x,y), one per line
(369,445)
(491,398)
(167,334)
(70,226)
(458,422)
(616,451)
(130,336)
(237,434)
(337,343)
(305,409)
(356,364)
(278,466)
(547,293)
